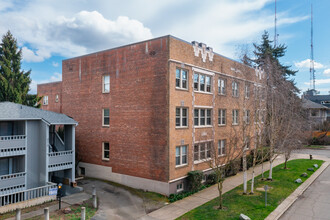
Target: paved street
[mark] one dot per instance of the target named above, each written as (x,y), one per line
(314,203)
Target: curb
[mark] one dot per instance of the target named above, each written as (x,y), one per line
(286,204)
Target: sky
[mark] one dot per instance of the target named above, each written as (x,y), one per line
(50,31)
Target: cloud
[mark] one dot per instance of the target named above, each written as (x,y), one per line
(306,64)
(55,64)
(32,56)
(54,78)
(319,82)
(326,72)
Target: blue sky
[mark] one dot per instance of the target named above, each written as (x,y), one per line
(50,31)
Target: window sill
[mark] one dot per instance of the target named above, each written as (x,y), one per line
(181,89)
(235,124)
(222,125)
(105,159)
(180,128)
(181,166)
(105,126)
(105,92)
(202,161)
(207,93)
(221,155)
(206,126)
(221,94)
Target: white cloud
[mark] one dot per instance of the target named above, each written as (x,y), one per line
(306,64)
(326,72)
(55,64)
(54,78)
(38,56)
(319,82)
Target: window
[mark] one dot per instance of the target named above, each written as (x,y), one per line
(45,100)
(202,82)
(179,187)
(106,117)
(248,142)
(181,155)
(235,117)
(105,151)
(315,112)
(181,118)
(235,89)
(221,86)
(222,117)
(202,117)
(181,79)
(202,151)
(247,116)
(106,84)
(56,98)
(221,147)
(247,91)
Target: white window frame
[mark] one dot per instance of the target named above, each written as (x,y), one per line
(247,116)
(204,153)
(45,100)
(104,83)
(222,147)
(206,85)
(235,89)
(221,86)
(205,117)
(222,117)
(181,78)
(103,151)
(181,155)
(179,187)
(103,117)
(235,118)
(181,117)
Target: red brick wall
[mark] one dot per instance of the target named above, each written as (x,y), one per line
(138,106)
(51,90)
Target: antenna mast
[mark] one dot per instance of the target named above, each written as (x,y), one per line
(311,69)
(275,28)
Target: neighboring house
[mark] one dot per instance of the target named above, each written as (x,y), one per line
(33,158)
(317,113)
(320,99)
(149,112)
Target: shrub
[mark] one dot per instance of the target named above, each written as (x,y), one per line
(233,167)
(211,179)
(194,180)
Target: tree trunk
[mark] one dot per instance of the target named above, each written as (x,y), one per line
(252,182)
(220,193)
(262,163)
(270,177)
(253,166)
(244,173)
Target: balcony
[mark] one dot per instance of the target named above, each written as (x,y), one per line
(12,182)
(12,145)
(60,160)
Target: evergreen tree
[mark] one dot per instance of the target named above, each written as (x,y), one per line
(14,82)
(267,50)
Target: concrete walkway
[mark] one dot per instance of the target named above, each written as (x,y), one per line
(67,201)
(176,209)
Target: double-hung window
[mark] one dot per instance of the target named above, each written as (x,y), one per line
(181,118)
(202,117)
(247,90)
(202,83)
(235,116)
(247,116)
(235,89)
(222,86)
(106,84)
(106,117)
(45,100)
(181,79)
(105,151)
(221,147)
(222,117)
(202,151)
(181,155)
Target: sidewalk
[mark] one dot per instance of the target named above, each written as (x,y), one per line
(67,201)
(176,209)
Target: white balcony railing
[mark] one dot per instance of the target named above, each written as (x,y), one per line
(12,182)
(12,142)
(24,195)
(60,160)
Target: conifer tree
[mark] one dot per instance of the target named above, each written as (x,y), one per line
(14,82)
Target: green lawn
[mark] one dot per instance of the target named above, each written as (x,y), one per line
(254,205)
(314,146)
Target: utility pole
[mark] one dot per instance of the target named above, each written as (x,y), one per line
(275,27)
(311,68)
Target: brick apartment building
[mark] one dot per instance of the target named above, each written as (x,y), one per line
(149,112)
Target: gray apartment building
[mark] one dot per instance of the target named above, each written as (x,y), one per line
(33,156)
